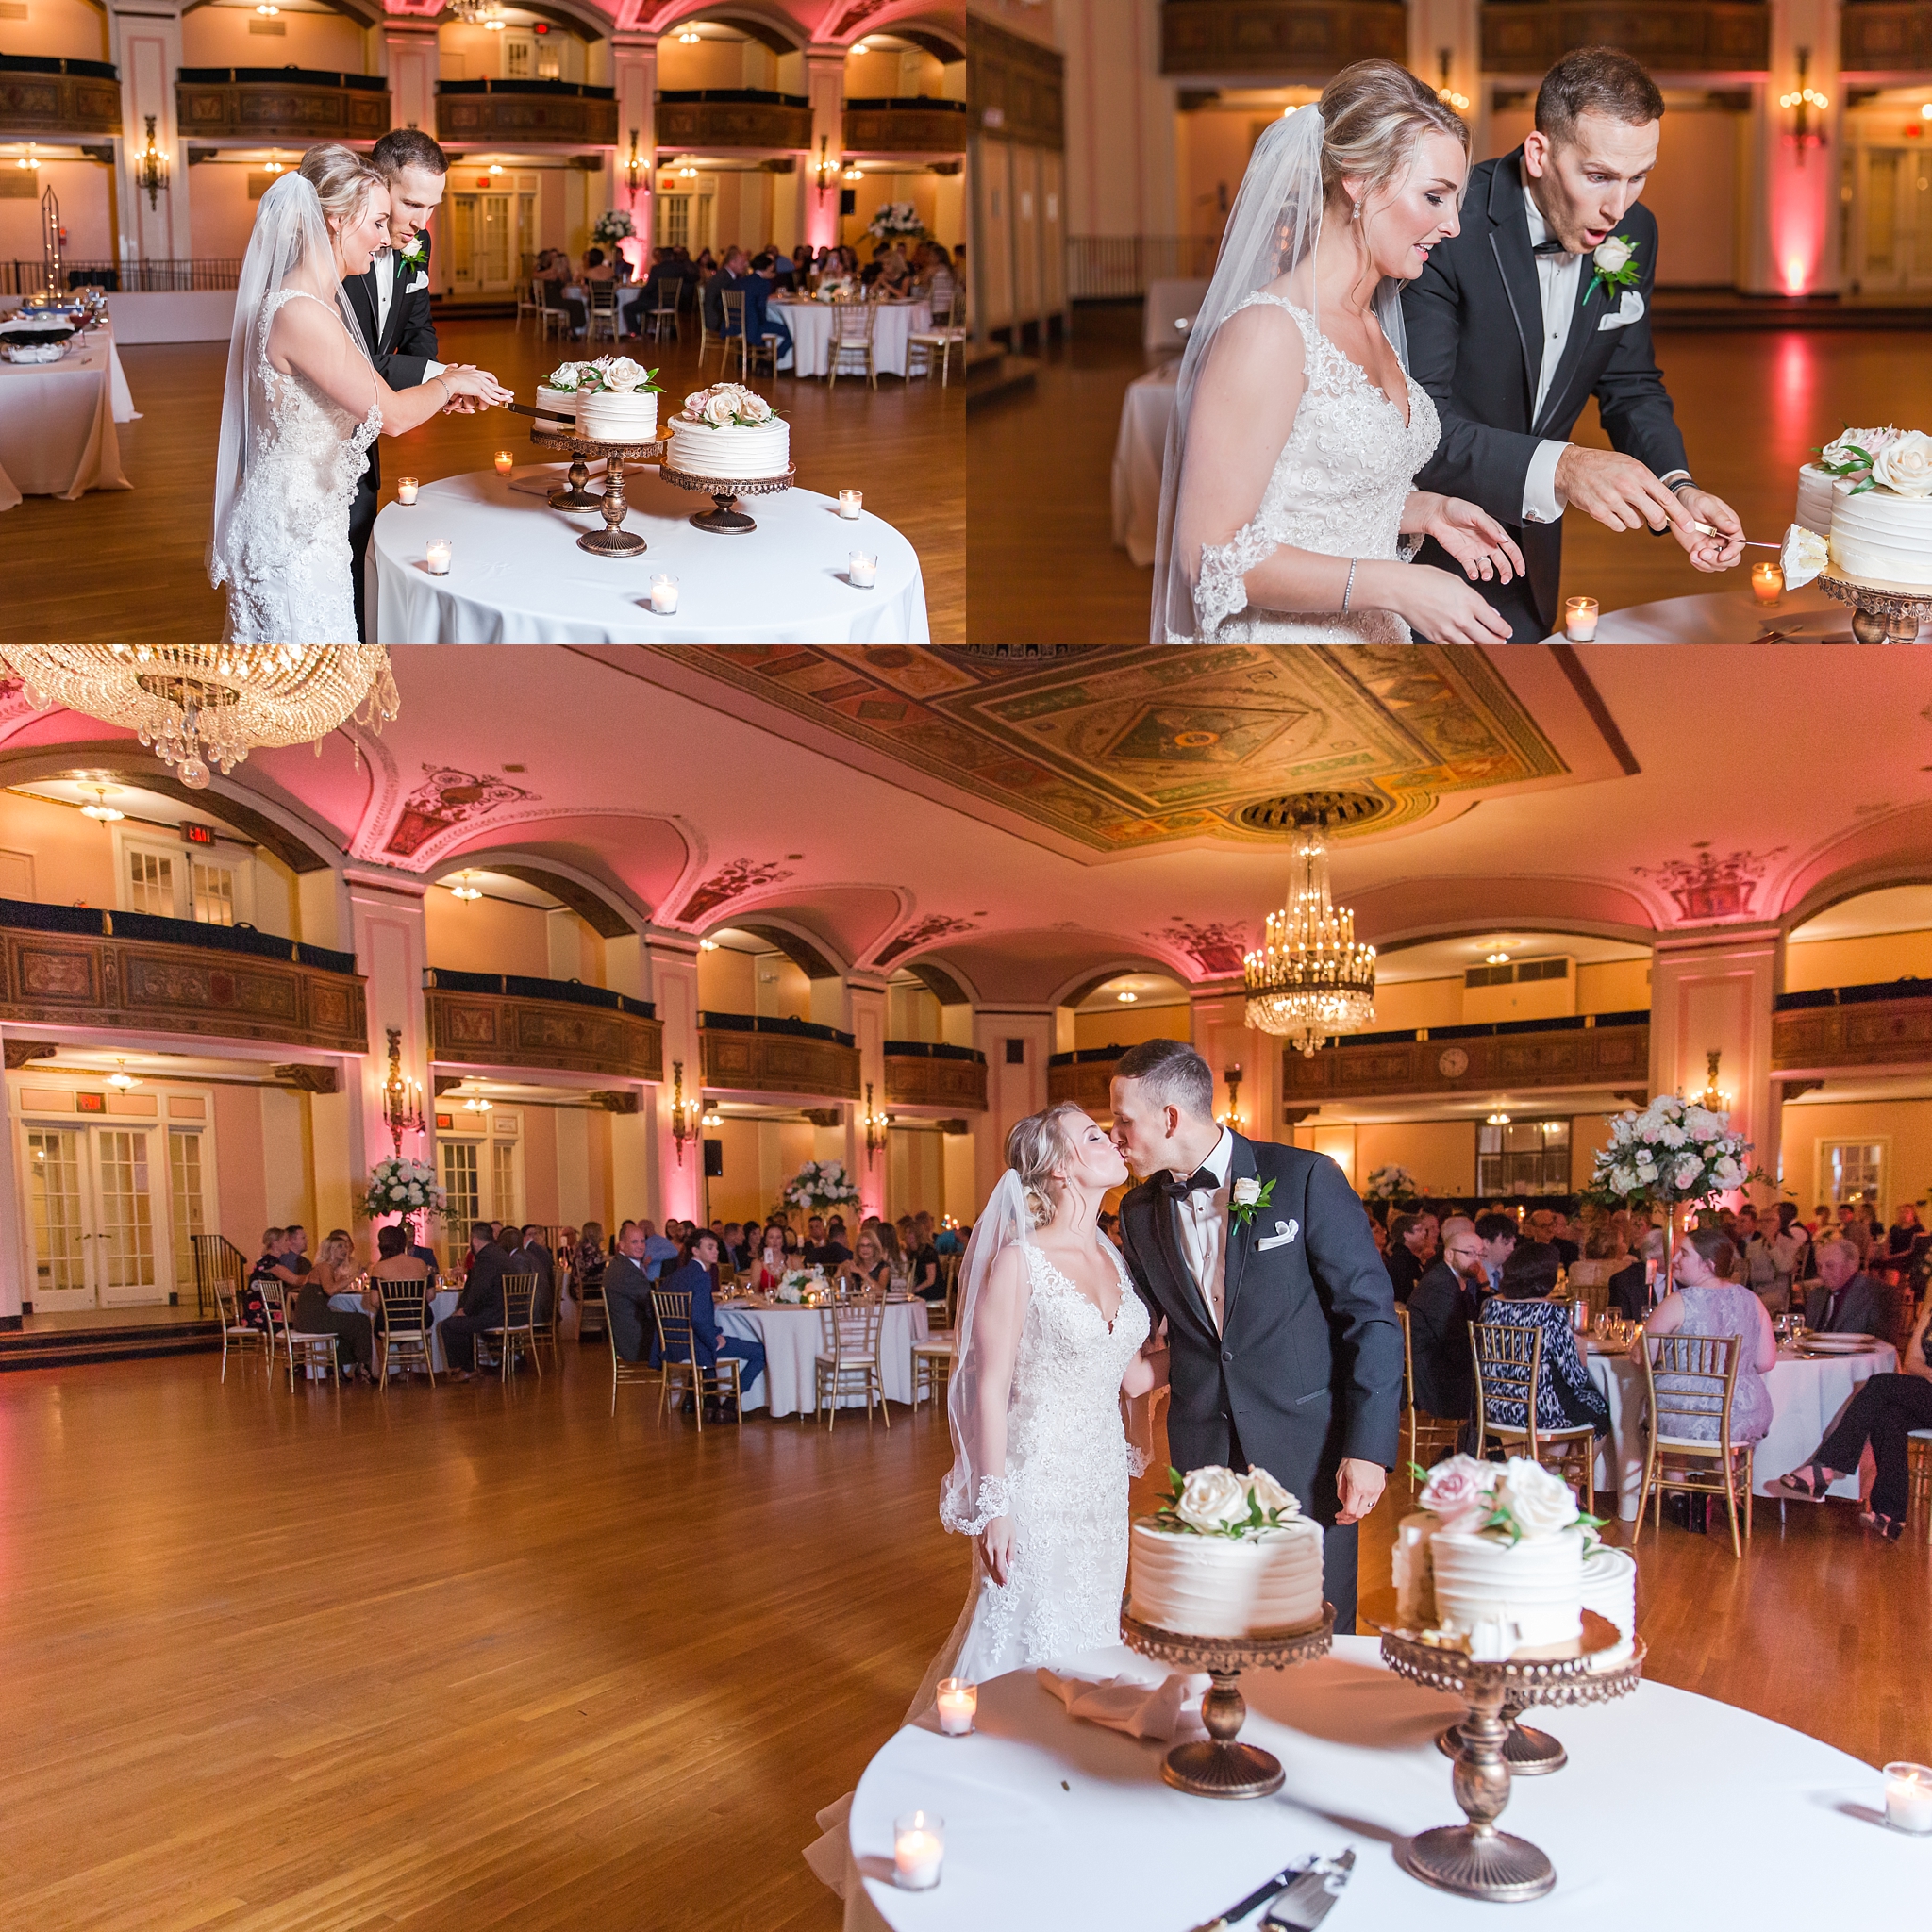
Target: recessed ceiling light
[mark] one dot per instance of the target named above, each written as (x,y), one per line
(794,855)
(1127,999)
(1495,958)
(1497,1120)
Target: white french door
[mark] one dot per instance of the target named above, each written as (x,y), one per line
(98,1243)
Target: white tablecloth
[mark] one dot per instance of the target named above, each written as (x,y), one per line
(1146,409)
(1728,617)
(811,323)
(1167,304)
(1806,1400)
(1052,1822)
(517,577)
(57,423)
(792,1339)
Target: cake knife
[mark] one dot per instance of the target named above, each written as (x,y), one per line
(1306,1902)
(1258,1897)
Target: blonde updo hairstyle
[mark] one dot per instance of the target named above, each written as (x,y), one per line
(1372,115)
(343,179)
(1033,1148)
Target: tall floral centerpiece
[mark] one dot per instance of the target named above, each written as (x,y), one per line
(1394,1182)
(897,221)
(613,225)
(1672,1155)
(407,1189)
(819,1184)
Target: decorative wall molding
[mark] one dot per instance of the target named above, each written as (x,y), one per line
(20,1053)
(307,1080)
(1865,1034)
(553,1035)
(1674,36)
(778,1063)
(916,1080)
(1314,38)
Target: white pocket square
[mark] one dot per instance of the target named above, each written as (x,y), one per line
(1629,310)
(422,282)
(1285,1231)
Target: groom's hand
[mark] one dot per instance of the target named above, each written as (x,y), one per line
(1359,1488)
(1711,552)
(1621,493)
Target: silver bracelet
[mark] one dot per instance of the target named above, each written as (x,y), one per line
(1349,591)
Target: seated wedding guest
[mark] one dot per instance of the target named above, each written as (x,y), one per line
(267,1267)
(310,1314)
(732,273)
(868,1271)
(695,1279)
(1412,1244)
(1629,1292)
(895,272)
(1790,1253)
(397,1261)
(1883,1412)
(627,1295)
(1604,1254)
(938,283)
(659,1248)
(1705,1300)
(588,1262)
(1498,1234)
(596,268)
(1547,1225)
(761,322)
(820,1250)
(1757,1265)
(1846,1301)
(1566,1398)
(1445,1300)
(1906,1237)
(535,1259)
(481,1302)
(772,1263)
(922,1258)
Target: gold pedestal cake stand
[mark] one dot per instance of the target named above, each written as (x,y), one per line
(1476,1859)
(727,520)
(613,539)
(1217,1766)
(1881,613)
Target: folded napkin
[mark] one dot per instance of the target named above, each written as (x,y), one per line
(1168,1711)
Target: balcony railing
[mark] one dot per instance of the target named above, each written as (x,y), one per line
(1084,1077)
(1836,1029)
(892,124)
(80,966)
(1886,37)
(1597,1050)
(751,1055)
(41,97)
(1673,36)
(560,113)
(1309,39)
(290,104)
(1112,267)
(552,1025)
(922,1072)
(743,117)
(211,272)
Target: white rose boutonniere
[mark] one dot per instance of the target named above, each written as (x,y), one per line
(1615,261)
(416,251)
(1904,467)
(1247,1195)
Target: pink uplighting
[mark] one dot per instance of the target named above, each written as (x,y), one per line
(1797,224)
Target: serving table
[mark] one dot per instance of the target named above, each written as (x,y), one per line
(57,423)
(518,577)
(1053,1821)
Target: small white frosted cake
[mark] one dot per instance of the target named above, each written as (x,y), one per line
(558,402)
(618,416)
(1882,537)
(1497,1587)
(1204,1568)
(729,432)
(1814,498)
(1609,1589)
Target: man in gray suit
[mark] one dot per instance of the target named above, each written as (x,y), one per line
(481,1305)
(628,1293)
(1847,1301)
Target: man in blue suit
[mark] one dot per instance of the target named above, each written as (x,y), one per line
(694,1278)
(759,323)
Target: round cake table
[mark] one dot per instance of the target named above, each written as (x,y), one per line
(1729,617)
(516,576)
(1675,1810)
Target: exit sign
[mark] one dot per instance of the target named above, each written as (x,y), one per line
(192,834)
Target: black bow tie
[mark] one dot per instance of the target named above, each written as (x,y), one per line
(1201,1182)
(1550,247)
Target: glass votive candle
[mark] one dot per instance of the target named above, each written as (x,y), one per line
(1579,619)
(665,595)
(405,490)
(864,570)
(957,1704)
(505,462)
(1907,1798)
(437,557)
(850,503)
(918,1846)
(1767,582)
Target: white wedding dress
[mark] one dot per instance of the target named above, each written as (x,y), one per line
(286,555)
(1338,487)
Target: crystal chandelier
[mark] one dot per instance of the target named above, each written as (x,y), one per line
(201,704)
(1310,980)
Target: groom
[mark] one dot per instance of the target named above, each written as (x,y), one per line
(1540,301)
(1283,1352)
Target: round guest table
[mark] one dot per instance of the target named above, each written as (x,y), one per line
(794,1337)
(811,323)
(516,576)
(1052,1821)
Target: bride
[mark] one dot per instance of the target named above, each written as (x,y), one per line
(1296,431)
(303,403)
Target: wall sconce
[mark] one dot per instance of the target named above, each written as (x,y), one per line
(1714,1097)
(151,167)
(875,1125)
(827,168)
(636,176)
(1445,94)
(1802,100)
(684,1116)
(402,1099)
(1232,1118)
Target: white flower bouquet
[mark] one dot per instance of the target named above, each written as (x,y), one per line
(818,1185)
(1214,1501)
(797,1283)
(897,221)
(727,405)
(408,1187)
(1674,1151)
(1392,1181)
(613,225)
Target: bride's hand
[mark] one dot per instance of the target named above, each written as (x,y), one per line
(477,384)
(996,1549)
(1476,539)
(1442,607)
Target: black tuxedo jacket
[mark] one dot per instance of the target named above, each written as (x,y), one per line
(1440,1307)
(1474,319)
(1308,1367)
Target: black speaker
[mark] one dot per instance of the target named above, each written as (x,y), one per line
(1016,1053)
(848,201)
(714,1160)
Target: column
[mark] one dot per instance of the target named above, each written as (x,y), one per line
(824,70)
(680,1188)
(865,1008)
(386,929)
(1451,26)
(1220,1034)
(145,44)
(1792,247)
(1713,991)
(634,72)
(16,1253)
(410,50)
(1016,1042)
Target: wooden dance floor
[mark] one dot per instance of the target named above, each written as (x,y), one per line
(487,1656)
(129,565)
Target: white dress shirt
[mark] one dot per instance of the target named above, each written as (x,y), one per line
(1202,1221)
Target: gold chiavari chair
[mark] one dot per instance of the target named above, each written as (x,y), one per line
(946,335)
(664,312)
(849,1360)
(1433,1434)
(852,334)
(600,300)
(238,1335)
(297,1348)
(670,1310)
(544,1329)
(621,1371)
(1508,1362)
(1702,1371)
(518,1328)
(591,1309)
(403,1328)
(1919,1473)
(550,315)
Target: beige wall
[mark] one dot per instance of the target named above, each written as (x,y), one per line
(727,982)
(484,935)
(72,858)
(1128,1025)
(1857,962)
(1906,1124)
(1120,119)
(83,189)
(720,63)
(1616,986)
(65,28)
(228,37)
(1440,1153)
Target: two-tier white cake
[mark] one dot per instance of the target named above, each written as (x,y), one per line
(1881,536)
(730,433)
(1231,1555)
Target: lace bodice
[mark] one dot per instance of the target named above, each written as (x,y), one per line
(286,558)
(1340,482)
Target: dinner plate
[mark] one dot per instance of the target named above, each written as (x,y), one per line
(1840,1344)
